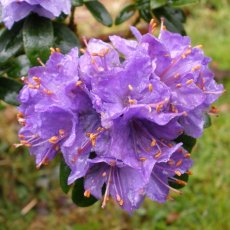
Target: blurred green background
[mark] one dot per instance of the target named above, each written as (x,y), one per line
(32,199)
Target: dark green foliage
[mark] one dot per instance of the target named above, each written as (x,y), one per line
(146,14)
(188,142)
(10,42)
(174,17)
(16,67)
(97,9)
(77,2)
(99,12)
(38,37)
(125,14)
(63,176)
(9,89)
(64,38)
(78,195)
(157,3)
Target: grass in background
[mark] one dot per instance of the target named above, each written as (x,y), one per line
(205,203)
(209,25)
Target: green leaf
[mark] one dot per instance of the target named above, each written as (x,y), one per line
(125,14)
(173,18)
(9,89)
(78,195)
(99,12)
(207,121)
(157,3)
(188,142)
(182,2)
(10,42)
(146,14)
(16,67)
(184,177)
(77,2)
(142,4)
(38,38)
(64,38)
(63,176)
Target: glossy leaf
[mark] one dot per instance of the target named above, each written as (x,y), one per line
(9,89)
(77,2)
(64,38)
(16,67)
(10,42)
(38,38)
(157,3)
(125,14)
(174,18)
(188,142)
(146,15)
(63,176)
(99,12)
(143,4)
(78,195)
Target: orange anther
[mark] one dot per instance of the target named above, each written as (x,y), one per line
(158,154)
(179,163)
(53,140)
(150,87)
(189,81)
(153,143)
(87,193)
(178,173)
(142,158)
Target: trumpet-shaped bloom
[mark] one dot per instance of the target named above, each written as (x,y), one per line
(182,68)
(56,111)
(128,186)
(127,103)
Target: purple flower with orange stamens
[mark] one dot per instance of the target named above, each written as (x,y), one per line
(182,68)
(15,10)
(125,184)
(158,187)
(56,111)
(127,103)
(128,185)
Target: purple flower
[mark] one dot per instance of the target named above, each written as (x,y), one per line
(138,143)
(182,68)
(123,183)
(56,111)
(127,103)
(98,58)
(15,10)
(158,187)
(128,186)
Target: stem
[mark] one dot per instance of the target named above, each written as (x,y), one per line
(72,24)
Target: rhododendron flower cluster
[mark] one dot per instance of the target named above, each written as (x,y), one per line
(15,10)
(125,102)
